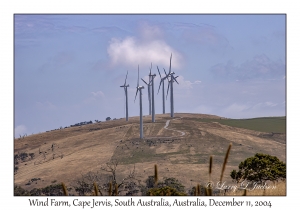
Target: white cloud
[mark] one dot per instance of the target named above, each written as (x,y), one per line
(132,52)
(146,47)
(20,130)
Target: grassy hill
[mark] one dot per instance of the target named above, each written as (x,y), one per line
(262,124)
(181,151)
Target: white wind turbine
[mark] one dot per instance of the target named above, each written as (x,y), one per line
(125,89)
(151,82)
(172,79)
(139,88)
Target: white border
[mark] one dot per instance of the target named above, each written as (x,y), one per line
(9,8)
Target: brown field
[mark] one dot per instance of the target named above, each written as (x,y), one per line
(182,151)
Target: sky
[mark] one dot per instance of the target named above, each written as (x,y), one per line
(69,68)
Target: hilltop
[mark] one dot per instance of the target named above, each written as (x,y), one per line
(180,146)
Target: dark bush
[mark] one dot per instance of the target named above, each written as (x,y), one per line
(165,191)
(260,168)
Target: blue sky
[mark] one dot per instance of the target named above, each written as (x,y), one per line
(69,68)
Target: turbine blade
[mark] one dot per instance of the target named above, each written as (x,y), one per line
(138,76)
(126,79)
(159,85)
(150,83)
(168,90)
(170,64)
(149,80)
(165,71)
(158,71)
(175,79)
(136,93)
(148,93)
(144,81)
(150,68)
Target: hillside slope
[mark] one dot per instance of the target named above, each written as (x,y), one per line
(180,146)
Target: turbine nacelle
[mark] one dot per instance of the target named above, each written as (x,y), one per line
(138,88)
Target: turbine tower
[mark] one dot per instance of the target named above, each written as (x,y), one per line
(162,81)
(152,84)
(172,79)
(139,88)
(149,91)
(125,89)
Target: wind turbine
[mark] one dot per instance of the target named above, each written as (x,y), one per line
(149,92)
(151,83)
(125,89)
(139,88)
(162,81)
(172,79)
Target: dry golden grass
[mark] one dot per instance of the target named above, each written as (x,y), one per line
(96,191)
(225,162)
(64,189)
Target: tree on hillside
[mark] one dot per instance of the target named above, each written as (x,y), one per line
(108,183)
(260,168)
(108,118)
(128,185)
